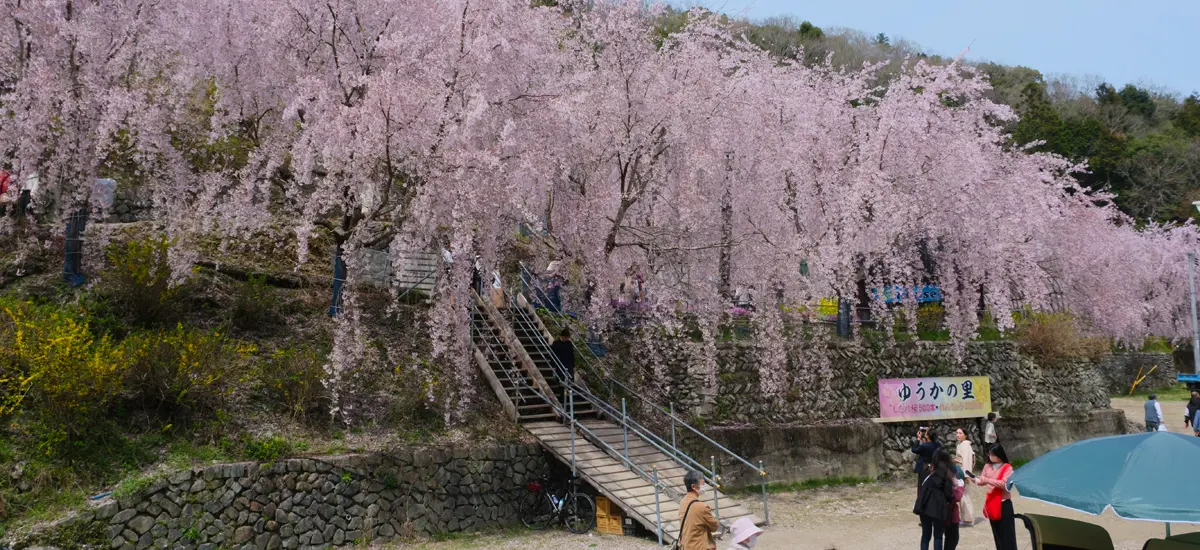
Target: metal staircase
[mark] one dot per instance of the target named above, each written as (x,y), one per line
(621,458)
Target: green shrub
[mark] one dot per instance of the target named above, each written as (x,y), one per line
(292,378)
(138,280)
(268,449)
(184,371)
(254,305)
(1157,344)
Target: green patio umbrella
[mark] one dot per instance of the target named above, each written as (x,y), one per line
(1148,476)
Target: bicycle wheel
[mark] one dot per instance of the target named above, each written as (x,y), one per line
(580,513)
(536,510)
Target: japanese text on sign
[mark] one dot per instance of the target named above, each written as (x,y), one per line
(909,399)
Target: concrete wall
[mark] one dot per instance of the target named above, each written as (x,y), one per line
(869,450)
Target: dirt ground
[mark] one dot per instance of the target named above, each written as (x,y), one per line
(1174,410)
(875,516)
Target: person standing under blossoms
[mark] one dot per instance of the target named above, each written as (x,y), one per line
(564,353)
(935,500)
(964,456)
(696,521)
(998,507)
(926,445)
(989,431)
(1192,406)
(1154,414)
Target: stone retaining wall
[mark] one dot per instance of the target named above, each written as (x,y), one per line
(319,502)
(1121,369)
(838,382)
(817,423)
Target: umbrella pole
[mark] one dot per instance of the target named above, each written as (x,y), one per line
(1168,530)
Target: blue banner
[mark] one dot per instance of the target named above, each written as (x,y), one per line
(896,294)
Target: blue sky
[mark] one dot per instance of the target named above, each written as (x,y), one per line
(1143,42)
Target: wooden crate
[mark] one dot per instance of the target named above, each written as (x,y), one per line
(610,526)
(608,517)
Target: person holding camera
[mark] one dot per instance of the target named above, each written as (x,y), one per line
(926,445)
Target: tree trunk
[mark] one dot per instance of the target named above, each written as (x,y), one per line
(726,267)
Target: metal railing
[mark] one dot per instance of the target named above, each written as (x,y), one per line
(607,378)
(621,418)
(709,473)
(595,439)
(494,359)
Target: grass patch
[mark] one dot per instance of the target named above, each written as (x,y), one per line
(804,485)
(132,486)
(1178,392)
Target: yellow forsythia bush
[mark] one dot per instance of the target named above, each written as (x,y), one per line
(182,371)
(55,371)
(138,279)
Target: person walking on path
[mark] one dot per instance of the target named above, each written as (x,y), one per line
(926,445)
(696,521)
(935,500)
(964,455)
(989,431)
(1154,414)
(745,534)
(998,507)
(1192,406)
(565,353)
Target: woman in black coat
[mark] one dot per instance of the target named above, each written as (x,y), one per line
(934,499)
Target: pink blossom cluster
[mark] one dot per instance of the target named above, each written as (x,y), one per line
(697,157)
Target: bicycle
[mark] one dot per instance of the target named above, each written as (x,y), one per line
(542,506)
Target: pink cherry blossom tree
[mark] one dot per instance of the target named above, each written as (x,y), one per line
(81,96)
(397,126)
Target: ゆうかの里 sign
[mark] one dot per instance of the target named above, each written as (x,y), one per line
(914,399)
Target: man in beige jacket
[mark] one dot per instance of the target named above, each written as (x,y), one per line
(698,523)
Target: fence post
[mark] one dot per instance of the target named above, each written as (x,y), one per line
(673,445)
(625,428)
(762,473)
(657,507)
(571,399)
(712,460)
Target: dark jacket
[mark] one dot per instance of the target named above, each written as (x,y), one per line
(935,498)
(924,452)
(1192,407)
(565,352)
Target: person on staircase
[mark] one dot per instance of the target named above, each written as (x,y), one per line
(696,521)
(564,352)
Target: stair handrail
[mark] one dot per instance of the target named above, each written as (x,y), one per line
(596,439)
(508,372)
(619,417)
(553,405)
(513,345)
(607,377)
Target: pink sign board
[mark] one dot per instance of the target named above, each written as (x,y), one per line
(917,399)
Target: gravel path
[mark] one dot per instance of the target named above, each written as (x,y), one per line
(875,516)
